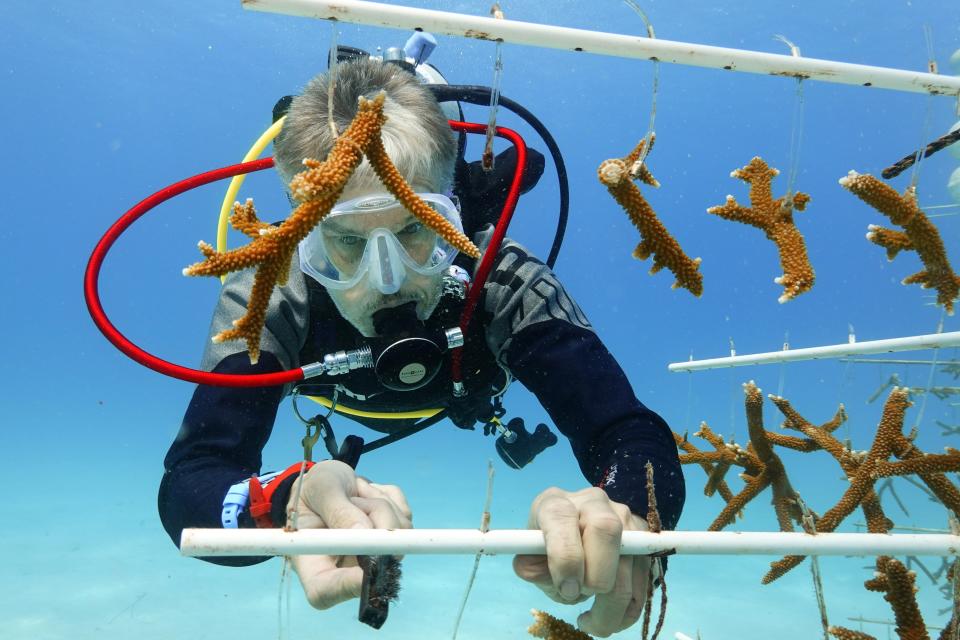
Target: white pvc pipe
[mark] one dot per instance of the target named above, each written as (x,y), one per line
(276,542)
(611,44)
(910,343)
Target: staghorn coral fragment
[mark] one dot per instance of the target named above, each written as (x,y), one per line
(925,464)
(763,468)
(919,234)
(396,185)
(898,586)
(691,456)
(318,188)
(861,484)
(842,633)
(938,484)
(775,218)
(549,628)
(617,175)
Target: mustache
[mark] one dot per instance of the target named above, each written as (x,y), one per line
(392,300)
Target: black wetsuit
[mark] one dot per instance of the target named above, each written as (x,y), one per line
(525,321)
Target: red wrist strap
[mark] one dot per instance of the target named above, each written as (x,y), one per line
(261,497)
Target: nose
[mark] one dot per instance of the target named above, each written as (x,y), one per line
(387,272)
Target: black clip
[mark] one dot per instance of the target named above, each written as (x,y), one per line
(350,451)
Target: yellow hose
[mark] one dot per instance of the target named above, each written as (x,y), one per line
(231,195)
(423,413)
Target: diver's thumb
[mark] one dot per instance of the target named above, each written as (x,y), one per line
(331,587)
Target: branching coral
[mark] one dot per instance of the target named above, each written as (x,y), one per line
(549,628)
(861,484)
(775,218)
(617,175)
(919,234)
(317,189)
(897,584)
(761,466)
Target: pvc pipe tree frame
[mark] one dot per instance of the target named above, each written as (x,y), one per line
(277,542)
(611,44)
(908,343)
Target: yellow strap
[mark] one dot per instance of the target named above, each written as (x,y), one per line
(231,195)
(400,415)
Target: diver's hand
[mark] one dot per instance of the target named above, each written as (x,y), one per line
(582,531)
(334,497)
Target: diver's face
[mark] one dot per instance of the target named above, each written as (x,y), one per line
(346,238)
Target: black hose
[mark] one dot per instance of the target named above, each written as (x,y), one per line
(403,433)
(475,94)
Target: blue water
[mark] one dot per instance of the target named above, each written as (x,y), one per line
(106,102)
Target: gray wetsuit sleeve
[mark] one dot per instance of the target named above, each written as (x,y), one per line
(521,292)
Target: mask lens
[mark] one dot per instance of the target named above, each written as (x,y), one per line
(343,249)
(339,252)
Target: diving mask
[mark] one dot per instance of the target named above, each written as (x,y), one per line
(374,237)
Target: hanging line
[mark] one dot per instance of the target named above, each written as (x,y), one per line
(655,87)
(487,159)
(928,118)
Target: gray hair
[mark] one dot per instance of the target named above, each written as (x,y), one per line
(416,134)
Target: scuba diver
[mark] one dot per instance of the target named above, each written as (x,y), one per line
(372,285)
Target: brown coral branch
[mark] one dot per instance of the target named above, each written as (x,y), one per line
(928,463)
(861,484)
(919,234)
(941,487)
(763,468)
(784,496)
(402,191)
(900,592)
(842,633)
(317,189)
(549,628)
(617,175)
(705,460)
(775,218)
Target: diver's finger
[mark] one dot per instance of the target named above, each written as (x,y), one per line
(642,572)
(326,490)
(370,492)
(641,586)
(559,520)
(533,569)
(602,530)
(396,495)
(383,513)
(337,511)
(326,586)
(607,614)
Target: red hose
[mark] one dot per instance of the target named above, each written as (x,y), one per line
(486,263)
(91,276)
(91,291)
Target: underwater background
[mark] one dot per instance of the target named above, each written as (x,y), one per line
(106,102)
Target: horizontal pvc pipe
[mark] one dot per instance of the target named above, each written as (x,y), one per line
(277,542)
(611,44)
(910,343)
